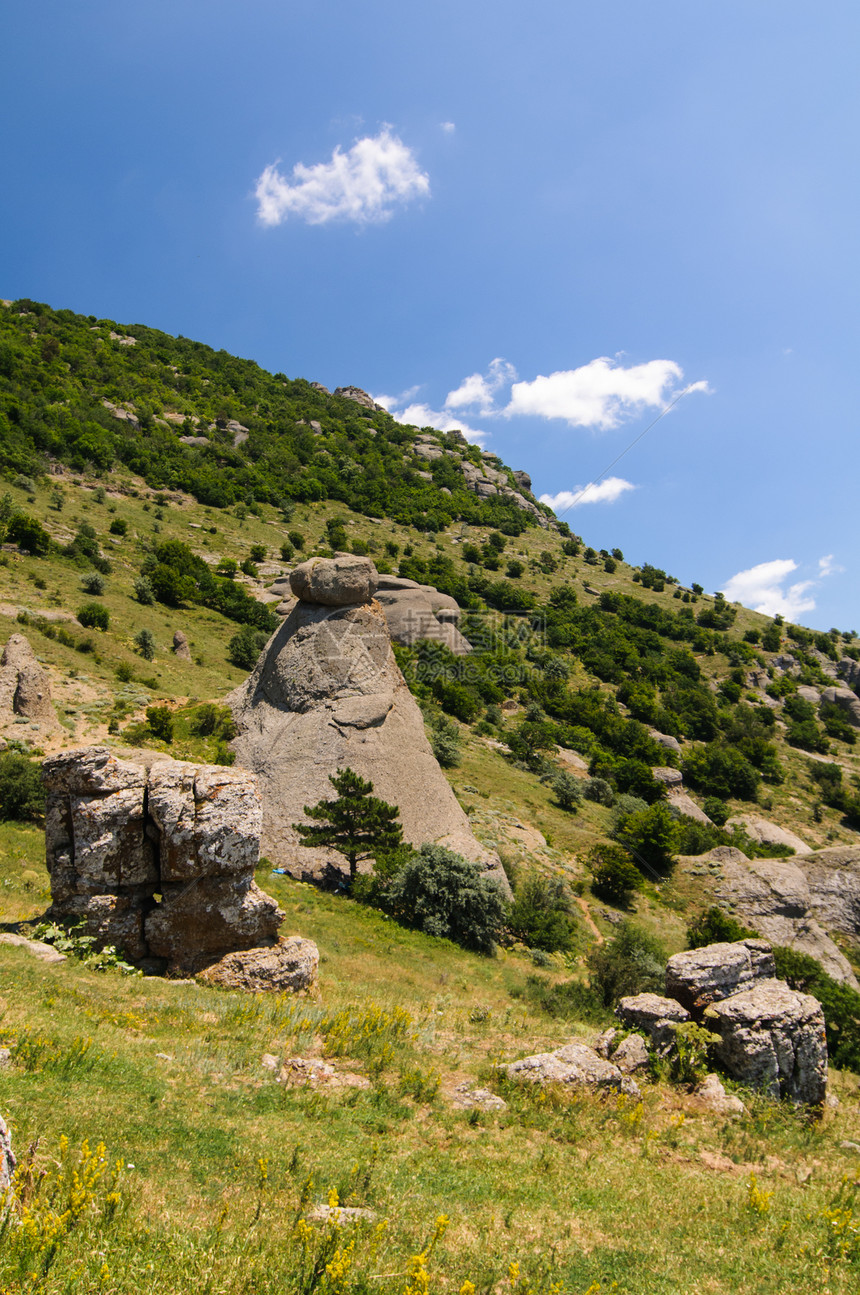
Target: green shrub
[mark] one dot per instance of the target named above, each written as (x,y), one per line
(839,1002)
(144,642)
(632,962)
(717,810)
(715,926)
(651,836)
(94,617)
(567,790)
(287,552)
(614,874)
(541,914)
(258,553)
(160,722)
(143,591)
(118,527)
(598,790)
(296,539)
(721,771)
(245,647)
(93,583)
(445,895)
(572,1000)
(30,536)
(21,794)
(211,720)
(445,741)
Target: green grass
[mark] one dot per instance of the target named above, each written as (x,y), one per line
(576,1190)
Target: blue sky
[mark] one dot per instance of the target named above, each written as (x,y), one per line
(538,221)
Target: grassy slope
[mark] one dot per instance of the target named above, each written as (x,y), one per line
(656,1199)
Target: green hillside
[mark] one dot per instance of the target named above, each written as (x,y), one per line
(117,533)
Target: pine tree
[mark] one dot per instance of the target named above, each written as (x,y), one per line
(358,825)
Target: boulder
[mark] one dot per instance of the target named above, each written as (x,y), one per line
(631,1054)
(767,833)
(575,1066)
(672,779)
(291,964)
(522,479)
(791,902)
(806,693)
(713,1096)
(665,740)
(360,397)
(181,650)
(38,948)
(327,694)
(466,1098)
(209,819)
(335,582)
(209,916)
(25,688)
(683,806)
(847,701)
(650,1012)
(421,612)
(7,1158)
(698,977)
(849,671)
(772,1039)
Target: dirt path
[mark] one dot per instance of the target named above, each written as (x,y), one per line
(589,920)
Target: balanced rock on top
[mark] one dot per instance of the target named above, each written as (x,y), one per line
(327,694)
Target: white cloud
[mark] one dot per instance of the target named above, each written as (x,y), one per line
(761,588)
(827,566)
(604,492)
(598,394)
(448,127)
(419,415)
(480,389)
(363,185)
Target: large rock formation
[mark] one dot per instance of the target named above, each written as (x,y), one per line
(25,688)
(772,1038)
(791,901)
(575,1066)
(767,833)
(327,694)
(157,856)
(414,611)
(847,701)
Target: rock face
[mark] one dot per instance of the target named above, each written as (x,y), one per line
(360,397)
(649,1012)
(787,902)
(327,694)
(576,1066)
(7,1158)
(772,1038)
(414,611)
(767,833)
(25,689)
(847,701)
(157,857)
(697,978)
(180,646)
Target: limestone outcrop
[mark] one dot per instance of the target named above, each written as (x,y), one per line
(181,650)
(791,901)
(25,688)
(767,833)
(414,611)
(327,694)
(157,856)
(847,701)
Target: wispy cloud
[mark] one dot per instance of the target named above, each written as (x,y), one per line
(479,389)
(598,394)
(448,127)
(363,185)
(763,587)
(603,492)
(420,415)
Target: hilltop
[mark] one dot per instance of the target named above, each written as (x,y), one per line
(155,487)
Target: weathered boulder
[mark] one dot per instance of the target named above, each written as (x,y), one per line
(772,1038)
(847,701)
(807,693)
(650,1012)
(849,671)
(157,856)
(682,805)
(209,818)
(575,1066)
(327,694)
(335,582)
(291,964)
(181,650)
(631,1054)
(210,915)
(25,688)
(665,740)
(767,833)
(7,1159)
(698,977)
(712,1094)
(360,397)
(522,479)
(671,779)
(778,898)
(37,948)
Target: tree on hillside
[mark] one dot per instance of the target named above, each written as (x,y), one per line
(358,825)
